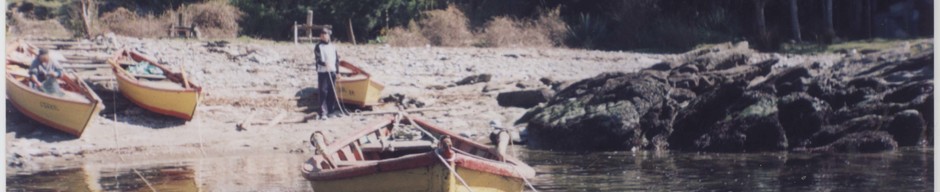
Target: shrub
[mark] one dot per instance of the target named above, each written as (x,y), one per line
(552,26)
(410,37)
(506,32)
(214,19)
(22,26)
(124,22)
(446,27)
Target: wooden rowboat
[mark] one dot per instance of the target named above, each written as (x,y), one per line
(70,113)
(170,94)
(370,161)
(357,87)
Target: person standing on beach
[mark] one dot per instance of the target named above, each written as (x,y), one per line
(327,61)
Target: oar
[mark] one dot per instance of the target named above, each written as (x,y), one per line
(118,67)
(183,73)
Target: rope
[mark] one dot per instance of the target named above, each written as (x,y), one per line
(516,168)
(342,109)
(526,181)
(114,130)
(438,154)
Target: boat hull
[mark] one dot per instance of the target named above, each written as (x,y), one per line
(68,116)
(361,92)
(176,103)
(416,173)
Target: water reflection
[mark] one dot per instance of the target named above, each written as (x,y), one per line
(906,170)
(269,172)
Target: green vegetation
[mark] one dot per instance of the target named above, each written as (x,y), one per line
(637,25)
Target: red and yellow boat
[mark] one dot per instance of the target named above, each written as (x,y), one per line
(71,112)
(169,94)
(356,86)
(369,161)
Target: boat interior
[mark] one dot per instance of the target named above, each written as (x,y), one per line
(168,79)
(390,140)
(72,89)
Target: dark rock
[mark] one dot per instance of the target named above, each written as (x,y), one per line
(524,98)
(600,113)
(909,92)
(547,81)
(801,115)
(831,133)
(701,113)
(750,133)
(474,79)
(792,80)
(863,142)
(681,95)
(875,84)
(907,127)
(662,66)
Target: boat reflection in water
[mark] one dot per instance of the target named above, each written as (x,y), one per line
(904,170)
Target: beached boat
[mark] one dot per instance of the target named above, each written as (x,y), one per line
(169,93)
(71,112)
(357,87)
(370,161)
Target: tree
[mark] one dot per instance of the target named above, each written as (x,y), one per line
(795,21)
(827,21)
(759,6)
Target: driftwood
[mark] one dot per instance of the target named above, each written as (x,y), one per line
(277,119)
(246,122)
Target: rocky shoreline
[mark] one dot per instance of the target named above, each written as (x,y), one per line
(730,98)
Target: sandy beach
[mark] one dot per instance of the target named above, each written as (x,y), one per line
(265,79)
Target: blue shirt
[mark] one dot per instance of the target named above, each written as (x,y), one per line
(40,71)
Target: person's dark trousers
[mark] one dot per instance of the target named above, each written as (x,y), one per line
(327,92)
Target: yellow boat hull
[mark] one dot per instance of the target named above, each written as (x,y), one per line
(177,103)
(66,115)
(432,178)
(361,92)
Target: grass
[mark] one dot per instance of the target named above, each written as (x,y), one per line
(860,45)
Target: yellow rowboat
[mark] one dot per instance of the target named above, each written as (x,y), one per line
(370,161)
(357,87)
(70,113)
(170,94)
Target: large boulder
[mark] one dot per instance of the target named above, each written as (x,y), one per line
(907,127)
(524,98)
(801,115)
(601,113)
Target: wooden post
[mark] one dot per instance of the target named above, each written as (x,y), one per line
(352,36)
(309,24)
(295,32)
(86,18)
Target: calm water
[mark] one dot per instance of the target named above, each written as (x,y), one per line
(905,170)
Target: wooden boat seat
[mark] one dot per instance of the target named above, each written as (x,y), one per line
(399,145)
(354,163)
(162,84)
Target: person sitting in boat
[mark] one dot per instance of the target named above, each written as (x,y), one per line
(44,73)
(327,63)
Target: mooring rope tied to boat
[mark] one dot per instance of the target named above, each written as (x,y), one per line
(452,170)
(527,183)
(114,130)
